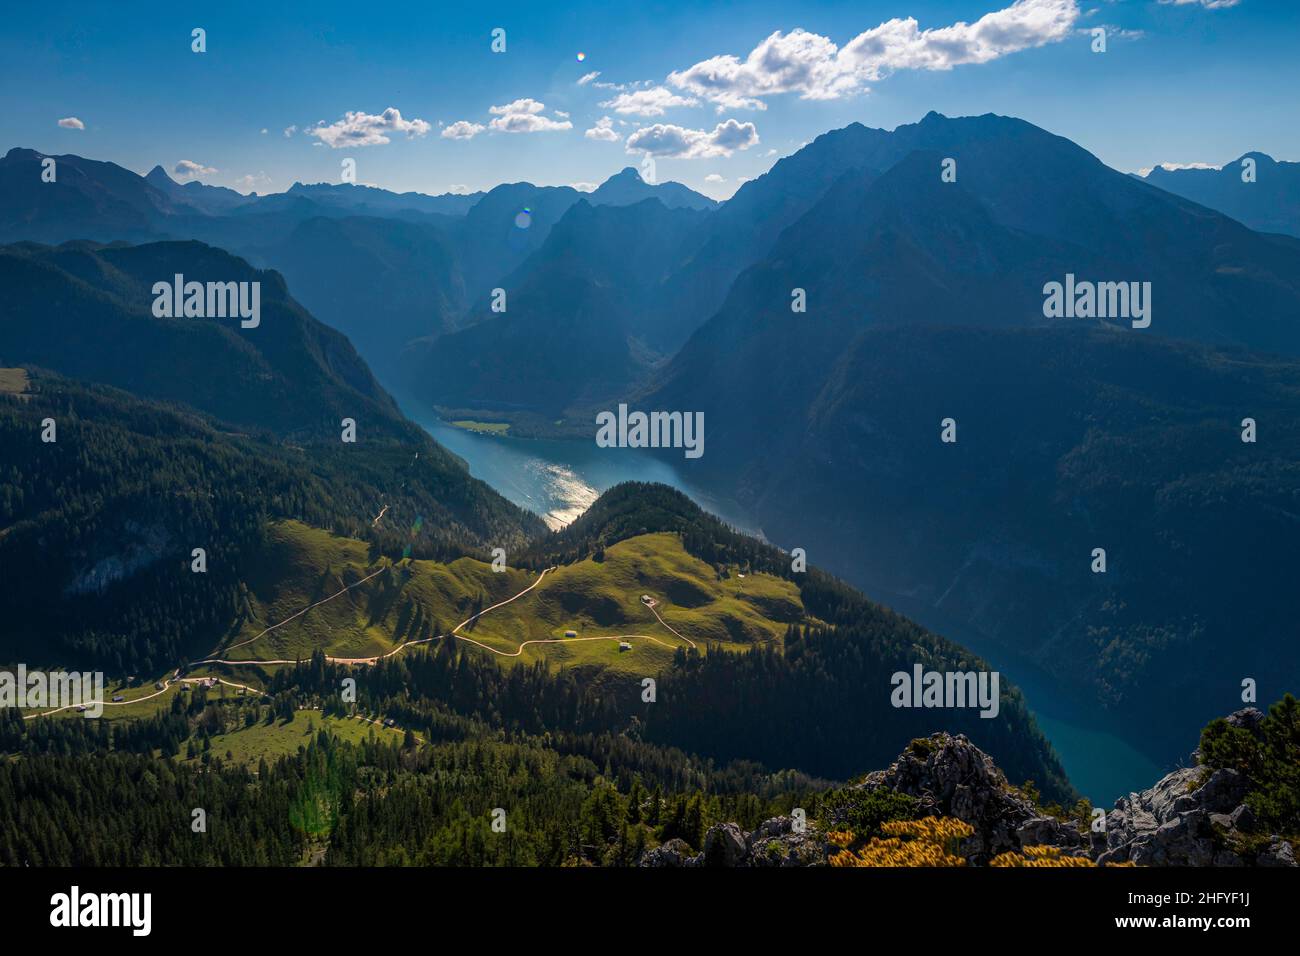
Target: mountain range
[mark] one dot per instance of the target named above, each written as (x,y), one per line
(922,256)
(1255,189)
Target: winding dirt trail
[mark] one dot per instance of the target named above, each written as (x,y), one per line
(370,661)
(455,632)
(655,610)
(167,685)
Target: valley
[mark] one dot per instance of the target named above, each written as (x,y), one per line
(527,472)
(530,583)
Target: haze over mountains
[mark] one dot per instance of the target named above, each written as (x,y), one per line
(924,301)
(176,433)
(1267,200)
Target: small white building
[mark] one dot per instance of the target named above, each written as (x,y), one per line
(624,646)
(570,633)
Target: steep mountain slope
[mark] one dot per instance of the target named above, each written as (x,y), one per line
(925,302)
(227,427)
(503,228)
(289,374)
(381,282)
(585,318)
(808,701)
(1067,441)
(98,527)
(747,224)
(627,187)
(210,200)
(86,200)
(1271,203)
(385,268)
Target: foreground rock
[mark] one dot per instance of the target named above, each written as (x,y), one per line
(1192,817)
(951,777)
(776,842)
(1195,816)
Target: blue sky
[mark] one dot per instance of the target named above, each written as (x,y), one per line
(706,87)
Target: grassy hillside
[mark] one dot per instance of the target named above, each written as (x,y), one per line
(249,745)
(97,529)
(415,600)
(748,654)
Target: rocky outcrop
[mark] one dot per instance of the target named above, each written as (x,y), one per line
(776,842)
(1195,816)
(672,853)
(952,777)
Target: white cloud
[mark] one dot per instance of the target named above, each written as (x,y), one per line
(812,66)
(188,169)
(525,116)
(603,131)
(651,102)
(714,178)
(525,105)
(462,129)
(588,77)
(676,142)
(458,189)
(561,114)
(71,122)
(289,131)
(585,187)
(263,130)
(364,129)
(253,182)
(1176,166)
(1207,4)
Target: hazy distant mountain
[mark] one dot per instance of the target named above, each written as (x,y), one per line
(212,200)
(381,282)
(1271,203)
(584,318)
(87,200)
(627,187)
(906,248)
(373,201)
(503,228)
(85,311)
